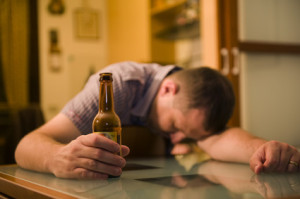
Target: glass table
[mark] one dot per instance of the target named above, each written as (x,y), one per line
(180,177)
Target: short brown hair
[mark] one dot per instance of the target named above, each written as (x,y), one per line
(206,88)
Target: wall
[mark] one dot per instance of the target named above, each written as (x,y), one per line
(79,55)
(129,30)
(271,96)
(270,82)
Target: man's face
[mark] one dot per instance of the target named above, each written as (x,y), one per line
(167,118)
(178,125)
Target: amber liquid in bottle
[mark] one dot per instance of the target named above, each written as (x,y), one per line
(107,123)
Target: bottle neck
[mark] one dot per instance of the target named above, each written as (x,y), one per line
(106,101)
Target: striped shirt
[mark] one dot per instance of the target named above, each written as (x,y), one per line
(134,86)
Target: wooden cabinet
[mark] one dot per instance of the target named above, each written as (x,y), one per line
(162,19)
(228,50)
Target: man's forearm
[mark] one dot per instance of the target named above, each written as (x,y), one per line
(235,145)
(35,150)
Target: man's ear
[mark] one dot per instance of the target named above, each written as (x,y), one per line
(168,87)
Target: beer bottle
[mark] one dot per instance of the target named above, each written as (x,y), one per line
(107,122)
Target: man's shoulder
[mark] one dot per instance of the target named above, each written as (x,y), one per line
(135,70)
(131,66)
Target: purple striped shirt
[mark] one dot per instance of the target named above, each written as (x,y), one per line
(135,86)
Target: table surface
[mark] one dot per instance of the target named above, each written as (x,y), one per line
(181,177)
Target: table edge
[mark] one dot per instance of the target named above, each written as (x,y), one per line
(18,188)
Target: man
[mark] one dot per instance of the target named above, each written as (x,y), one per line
(194,103)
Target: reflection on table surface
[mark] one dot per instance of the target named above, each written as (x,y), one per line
(170,178)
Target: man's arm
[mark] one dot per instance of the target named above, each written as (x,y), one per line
(234,145)
(237,145)
(59,148)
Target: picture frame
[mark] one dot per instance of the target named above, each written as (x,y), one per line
(86,23)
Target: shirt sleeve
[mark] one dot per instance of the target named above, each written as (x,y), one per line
(82,109)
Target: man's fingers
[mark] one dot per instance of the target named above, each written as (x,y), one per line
(259,168)
(284,162)
(279,157)
(257,160)
(125,150)
(294,161)
(99,141)
(91,157)
(287,153)
(101,155)
(282,157)
(256,165)
(180,149)
(272,156)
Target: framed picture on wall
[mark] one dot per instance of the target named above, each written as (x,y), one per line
(86,23)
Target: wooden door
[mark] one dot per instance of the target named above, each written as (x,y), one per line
(229,49)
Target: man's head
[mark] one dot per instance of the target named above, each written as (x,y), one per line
(208,89)
(203,90)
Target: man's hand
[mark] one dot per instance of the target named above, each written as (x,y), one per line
(88,157)
(275,156)
(180,148)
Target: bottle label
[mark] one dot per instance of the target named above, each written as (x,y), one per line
(110,135)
